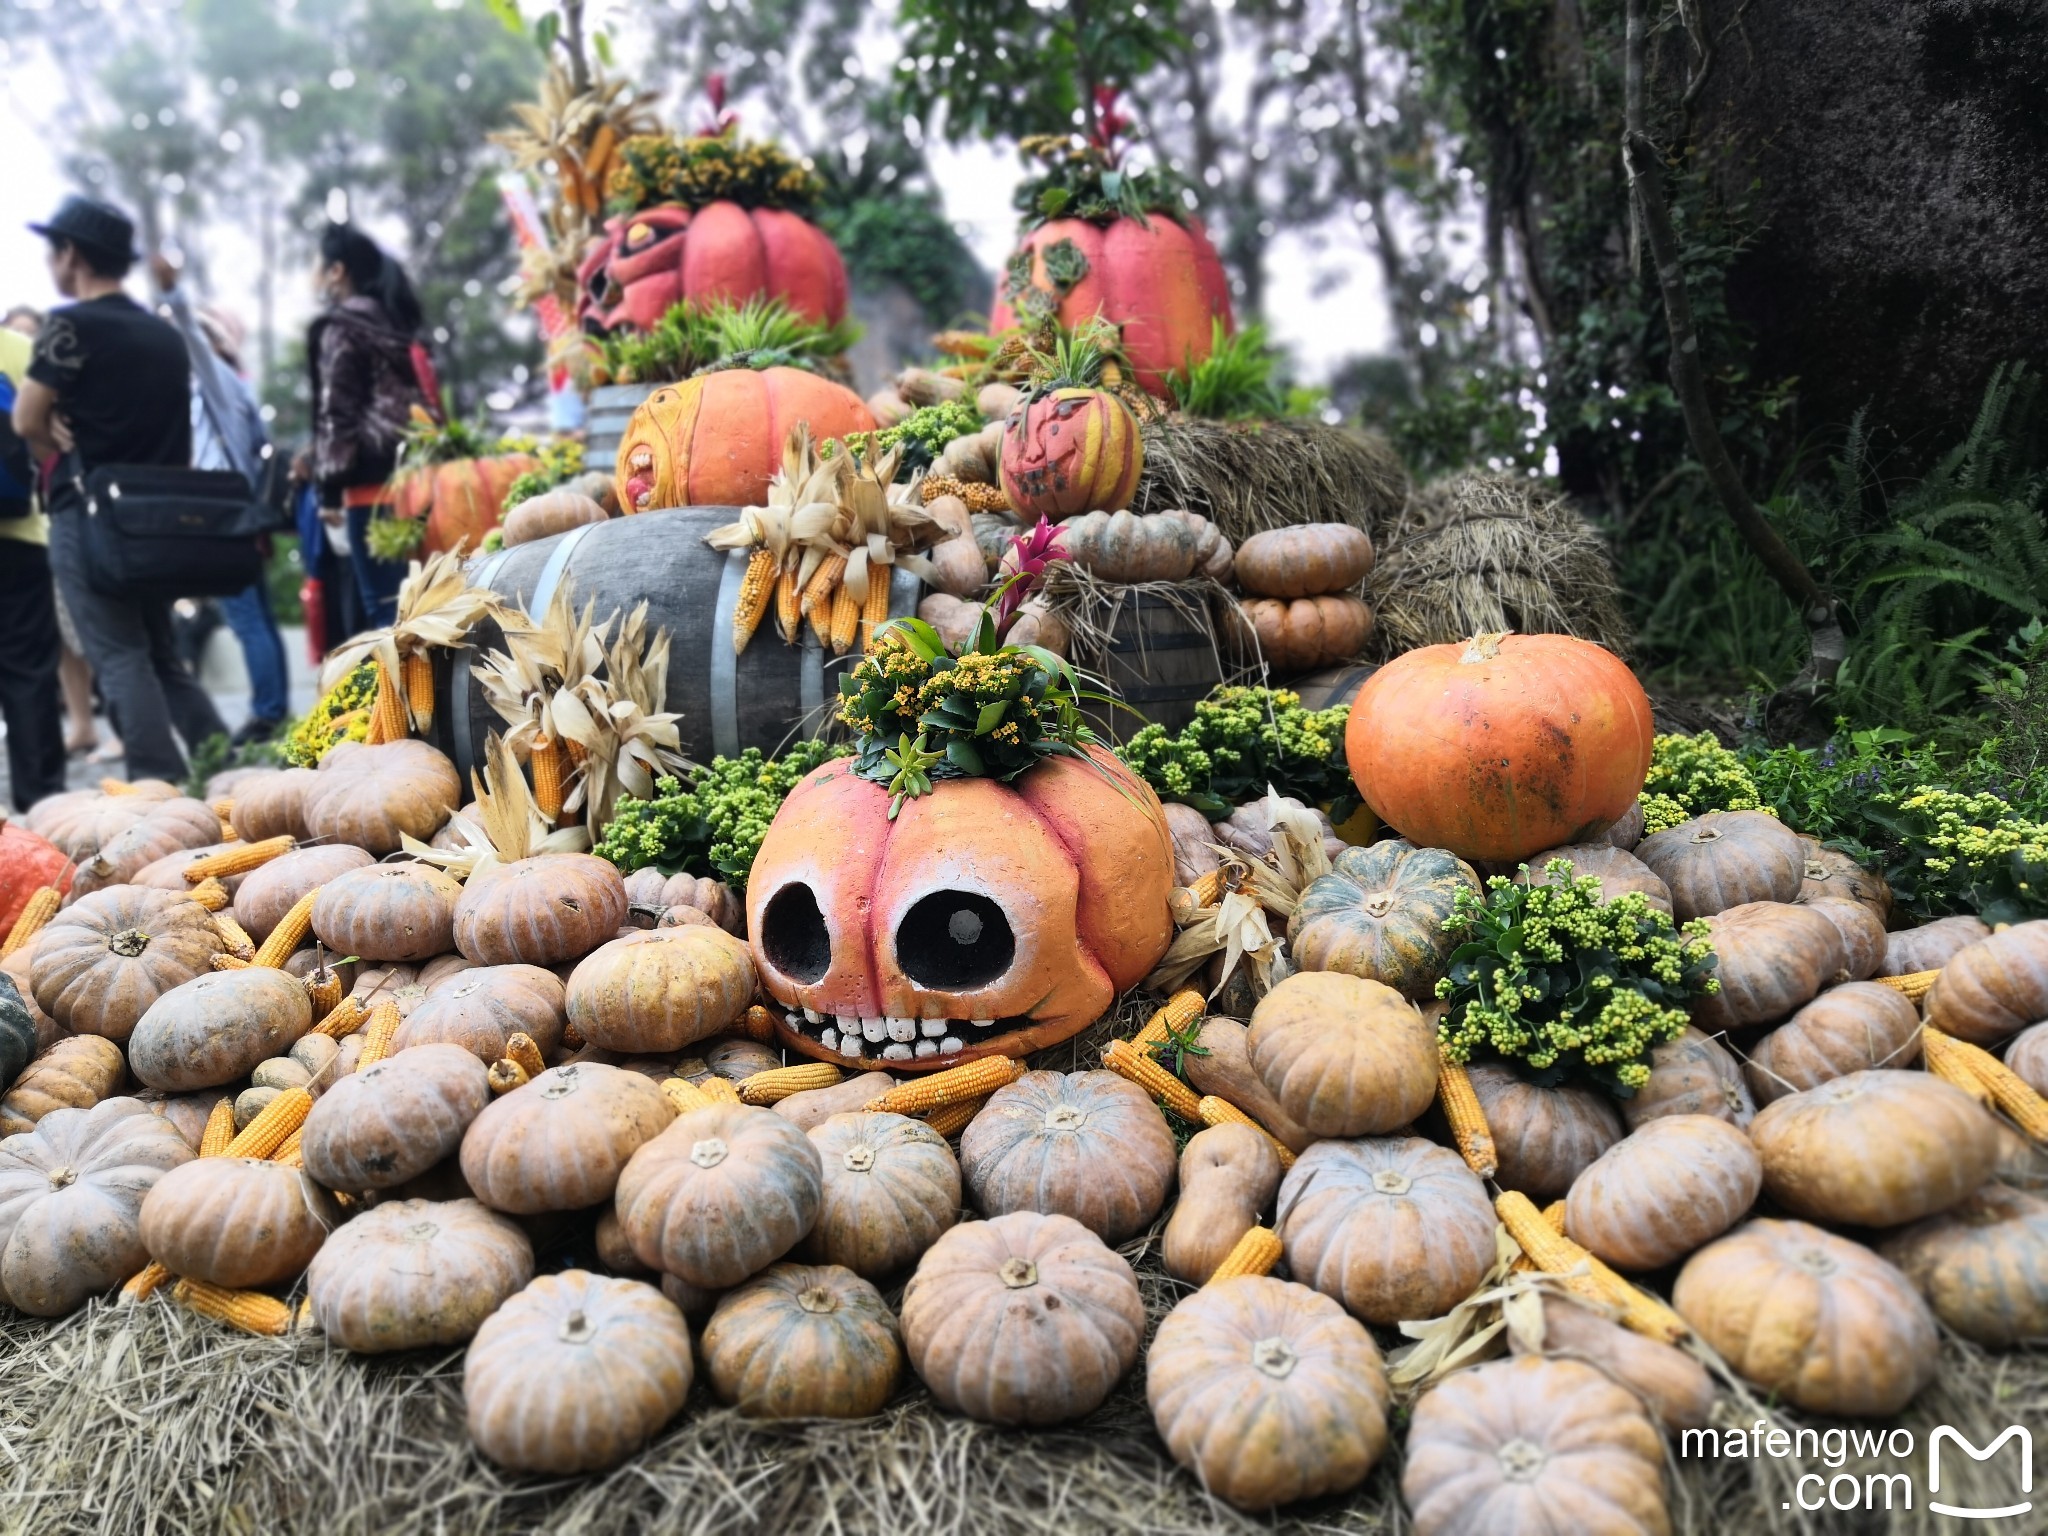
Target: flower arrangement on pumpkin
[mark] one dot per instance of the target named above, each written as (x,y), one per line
(342,713)
(697,338)
(450,486)
(659,168)
(1072,176)
(1561,984)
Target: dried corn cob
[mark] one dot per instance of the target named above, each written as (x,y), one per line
(273,1126)
(778,1083)
(144,1282)
(387,715)
(302,1320)
(1215,1111)
(757,1023)
(845,622)
(416,668)
(113,786)
(1914,984)
(1467,1120)
(220,1129)
(349,1015)
(506,1075)
(979,498)
(1207,890)
(572,1037)
(250,1311)
(824,582)
(788,601)
(1951,1068)
(520,1048)
(719,1090)
(1181,1010)
(377,1035)
(234,935)
(224,810)
(875,613)
(1253,1254)
(1551,1252)
(974,1080)
(289,1154)
(755,589)
(42,905)
(1949,1057)
(1149,1075)
(211,894)
(684,1096)
(323,991)
(949,1120)
(227,962)
(548,773)
(290,932)
(239,861)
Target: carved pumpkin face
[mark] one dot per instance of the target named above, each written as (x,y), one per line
(1075,450)
(645,263)
(986,920)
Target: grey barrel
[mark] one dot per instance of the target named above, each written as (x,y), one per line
(766,697)
(611,408)
(1160,661)
(1332,686)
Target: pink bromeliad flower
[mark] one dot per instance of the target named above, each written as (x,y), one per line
(1030,553)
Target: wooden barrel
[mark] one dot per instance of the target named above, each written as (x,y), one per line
(766,697)
(1330,687)
(611,407)
(1161,661)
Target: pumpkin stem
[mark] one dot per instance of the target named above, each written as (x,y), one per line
(63,1178)
(1814,1261)
(1274,1357)
(816,1298)
(1017,1273)
(708,1153)
(1483,647)
(421,1231)
(576,1329)
(1391,1181)
(1065,1117)
(1521,1460)
(859,1159)
(129,943)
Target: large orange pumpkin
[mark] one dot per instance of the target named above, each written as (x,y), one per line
(26,863)
(987,919)
(1071,451)
(1158,279)
(1500,747)
(716,440)
(462,500)
(647,262)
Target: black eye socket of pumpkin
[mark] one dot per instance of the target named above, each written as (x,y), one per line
(951,941)
(794,936)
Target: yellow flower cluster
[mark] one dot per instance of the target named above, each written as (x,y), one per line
(1976,829)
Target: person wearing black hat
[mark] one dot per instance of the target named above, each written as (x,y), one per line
(109,384)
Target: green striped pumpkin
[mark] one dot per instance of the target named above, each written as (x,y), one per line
(1380,914)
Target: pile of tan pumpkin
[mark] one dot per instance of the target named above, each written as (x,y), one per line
(515,1062)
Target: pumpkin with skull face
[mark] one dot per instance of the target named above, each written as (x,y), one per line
(987,919)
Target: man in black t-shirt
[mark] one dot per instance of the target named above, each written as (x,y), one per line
(110,384)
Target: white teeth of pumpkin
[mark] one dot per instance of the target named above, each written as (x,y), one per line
(847,1022)
(897,1052)
(951,1046)
(983,1023)
(874,1030)
(830,1039)
(901,1028)
(933,1028)
(814,1016)
(927,1048)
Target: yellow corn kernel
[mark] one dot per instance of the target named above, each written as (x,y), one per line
(778,1083)
(290,932)
(273,1126)
(224,810)
(323,991)
(949,1120)
(788,601)
(416,669)
(220,1129)
(41,906)
(302,1320)
(520,1048)
(755,589)
(387,715)
(239,861)
(1253,1254)
(506,1075)
(2005,1089)
(226,962)
(1149,1075)
(973,1080)
(824,582)
(111,786)
(757,1023)
(1215,1111)
(875,613)
(1551,1252)
(144,1282)
(288,1152)
(349,1015)
(1474,1138)
(377,1035)
(1914,984)
(845,622)
(234,935)
(684,1096)
(212,895)
(719,1091)
(1181,1010)
(250,1311)
(549,771)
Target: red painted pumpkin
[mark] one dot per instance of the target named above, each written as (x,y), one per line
(1160,280)
(27,862)
(986,920)
(1071,451)
(1500,747)
(462,500)
(716,440)
(645,263)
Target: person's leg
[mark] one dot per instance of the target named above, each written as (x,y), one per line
(28,673)
(76,678)
(118,644)
(376,580)
(190,705)
(248,614)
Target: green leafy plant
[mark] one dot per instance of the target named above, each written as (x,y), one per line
(922,435)
(396,538)
(714,825)
(208,758)
(429,441)
(1071,178)
(709,168)
(1690,776)
(1566,987)
(1240,741)
(560,462)
(1235,382)
(704,338)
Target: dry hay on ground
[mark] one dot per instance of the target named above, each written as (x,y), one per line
(1247,476)
(1476,553)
